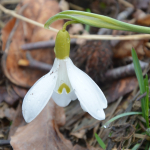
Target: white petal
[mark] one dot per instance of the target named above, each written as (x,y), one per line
(64,98)
(39,94)
(62,75)
(100,112)
(89,94)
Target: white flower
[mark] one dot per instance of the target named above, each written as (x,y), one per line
(65,82)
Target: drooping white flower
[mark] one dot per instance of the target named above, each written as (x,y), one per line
(65,82)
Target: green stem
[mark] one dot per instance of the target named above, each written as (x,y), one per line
(68,23)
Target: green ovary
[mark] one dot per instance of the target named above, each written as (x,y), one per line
(63,86)
(62,45)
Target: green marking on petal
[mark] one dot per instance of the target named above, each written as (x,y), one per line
(64,86)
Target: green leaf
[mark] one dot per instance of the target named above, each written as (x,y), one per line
(99,140)
(87,27)
(136,147)
(144,87)
(96,21)
(146,101)
(138,71)
(119,116)
(147,146)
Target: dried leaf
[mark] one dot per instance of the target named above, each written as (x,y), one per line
(120,88)
(79,134)
(145,21)
(10,98)
(39,11)
(17,121)
(123,48)
(41,133)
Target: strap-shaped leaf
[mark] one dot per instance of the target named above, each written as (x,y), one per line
(96,21)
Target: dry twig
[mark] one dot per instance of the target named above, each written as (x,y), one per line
(34,64)
(42,44)
(126,3)
(14,14)
(123,71)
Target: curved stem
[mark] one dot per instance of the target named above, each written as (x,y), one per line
(68,23)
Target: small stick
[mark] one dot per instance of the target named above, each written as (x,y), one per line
(141,96)
(32,63)
(141,136)
(111,37)
(4,142)
(2,24)
(124,14)
(42,44)
(125,3)
(123,71)
(75,7)
(14,14)
(5,2)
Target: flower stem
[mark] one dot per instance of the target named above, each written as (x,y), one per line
(68,23)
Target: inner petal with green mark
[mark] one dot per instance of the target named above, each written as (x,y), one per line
(63,83)
(62,87)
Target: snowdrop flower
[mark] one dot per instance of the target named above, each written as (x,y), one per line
(64,82)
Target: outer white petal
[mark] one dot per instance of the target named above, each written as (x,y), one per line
(39,94)
(64,98)
(89,94)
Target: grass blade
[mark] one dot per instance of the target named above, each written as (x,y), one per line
(146,101)
(99,140)
(121,115)
(142,86)
(138,71)
(136,147)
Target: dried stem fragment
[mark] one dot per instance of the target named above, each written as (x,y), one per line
(123,71)
(42,44)
(32,63)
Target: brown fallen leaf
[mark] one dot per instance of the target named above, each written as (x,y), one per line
(123,48)
(79,134)
(17,121)
(23,33)
(42,133)
(7,112)
(145,21)
(21,92)
(10,98)
(120,88)
(77,147)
